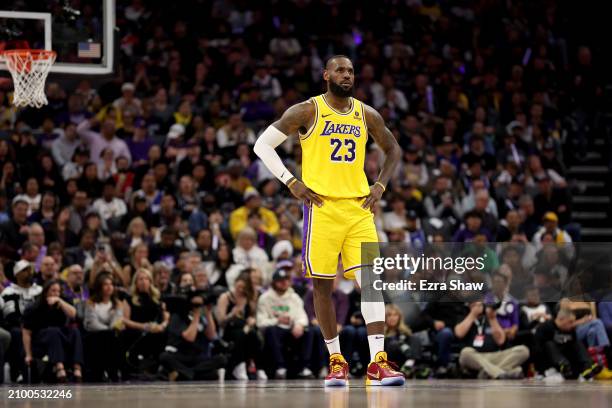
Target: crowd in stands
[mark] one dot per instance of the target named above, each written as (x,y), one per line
(141,238)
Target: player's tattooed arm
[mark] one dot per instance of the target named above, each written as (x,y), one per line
(298,119)
(385,139)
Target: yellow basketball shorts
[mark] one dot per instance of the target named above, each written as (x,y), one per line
(338,227)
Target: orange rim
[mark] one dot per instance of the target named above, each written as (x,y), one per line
(35,54)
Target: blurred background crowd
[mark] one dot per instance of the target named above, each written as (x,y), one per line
(140,231)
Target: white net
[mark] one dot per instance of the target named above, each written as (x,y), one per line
(29,69)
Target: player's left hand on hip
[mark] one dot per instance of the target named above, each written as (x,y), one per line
(376,192)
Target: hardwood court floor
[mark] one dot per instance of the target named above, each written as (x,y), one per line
(311,394)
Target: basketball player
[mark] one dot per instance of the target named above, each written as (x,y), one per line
(333,130)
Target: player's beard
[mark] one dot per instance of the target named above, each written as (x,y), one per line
(338,90)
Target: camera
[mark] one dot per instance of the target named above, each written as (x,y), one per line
(182,301)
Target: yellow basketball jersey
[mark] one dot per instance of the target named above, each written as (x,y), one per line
(334,149)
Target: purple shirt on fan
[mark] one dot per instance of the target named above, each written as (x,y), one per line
(139,150)
(508,312)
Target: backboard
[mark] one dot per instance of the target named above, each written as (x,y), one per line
(81,32)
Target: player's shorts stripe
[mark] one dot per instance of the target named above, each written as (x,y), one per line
(355,267)
(304,235)
(306,266)
(309,238)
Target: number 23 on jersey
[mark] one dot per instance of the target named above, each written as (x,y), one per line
(336,154)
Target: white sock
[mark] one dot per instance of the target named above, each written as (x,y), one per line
(377,344)
(333,345)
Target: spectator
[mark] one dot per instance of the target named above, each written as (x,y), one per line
(236,314)
(187,355)
(64,147)
(589,329)
(109,206)
(471,228)
(400,344)
(139,255)
(137,233)
(559,349)
(281,316)
(247,252)
(551,226)
(97,142)
(252,203)
(128,101)
(440,317)
(506,307)
(16,298)
(73,288)
(15,231)
(234,133)
(46,332)
(484,339)
(166,250)
(49,271)
(550,199)
(224,271)
(145,325)
(102,322)
(5,341)
(161,279)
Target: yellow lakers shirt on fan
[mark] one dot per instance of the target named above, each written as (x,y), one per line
(333,155)
(334,151)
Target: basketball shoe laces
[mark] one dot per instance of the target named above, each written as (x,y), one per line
(335,364)
(387,364)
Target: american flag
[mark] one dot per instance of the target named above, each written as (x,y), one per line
(89,50)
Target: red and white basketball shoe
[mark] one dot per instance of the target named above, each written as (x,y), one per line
(338,371)
(383,372)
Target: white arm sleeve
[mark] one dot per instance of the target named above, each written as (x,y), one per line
(264,148)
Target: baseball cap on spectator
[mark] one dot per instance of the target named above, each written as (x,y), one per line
(280,247)
(21,198)
(177,130)
(139,197)
(513,125)
(250,192)
(21,266)
(550,216)
(285,264)
(411,214)
(280,274)
(128,86)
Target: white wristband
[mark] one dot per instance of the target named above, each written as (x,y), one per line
(264,149)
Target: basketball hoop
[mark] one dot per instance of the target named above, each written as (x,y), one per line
(29,69)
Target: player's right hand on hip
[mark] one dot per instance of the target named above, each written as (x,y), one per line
(300,191)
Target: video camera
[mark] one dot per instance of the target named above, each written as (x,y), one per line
(182,301)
